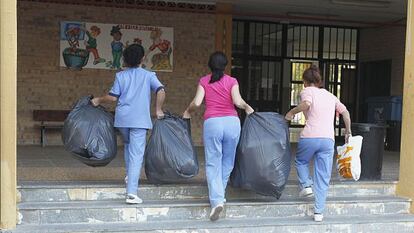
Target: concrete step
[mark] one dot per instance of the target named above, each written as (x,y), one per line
(401,223)
(167,210)
(70,191)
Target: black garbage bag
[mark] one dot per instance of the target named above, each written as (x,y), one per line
(170,155)
(89,134)
(263,155)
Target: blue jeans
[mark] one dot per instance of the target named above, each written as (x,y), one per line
(322,151)
(221,136)
(134,148)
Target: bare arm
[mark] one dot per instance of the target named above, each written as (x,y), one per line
(103,99)
(239,101)
(159,103)
(347,121)
(303,106)
(195,103)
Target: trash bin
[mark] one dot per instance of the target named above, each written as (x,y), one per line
(384,108)
(372,149)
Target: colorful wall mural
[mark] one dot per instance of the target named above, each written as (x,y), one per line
(100,46)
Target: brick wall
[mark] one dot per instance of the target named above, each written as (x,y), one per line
(42,84)
(382,44)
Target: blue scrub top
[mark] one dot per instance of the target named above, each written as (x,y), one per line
(133,89)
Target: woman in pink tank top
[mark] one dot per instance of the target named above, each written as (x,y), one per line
(317,139)
(221,132)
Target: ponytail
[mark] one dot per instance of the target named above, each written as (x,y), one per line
(217,64)
(216,75)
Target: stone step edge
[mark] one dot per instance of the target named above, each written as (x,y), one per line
(78,185)
(222,223)
(104,204)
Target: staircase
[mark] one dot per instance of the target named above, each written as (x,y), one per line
(100,207)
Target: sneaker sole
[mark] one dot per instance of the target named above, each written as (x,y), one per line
(319,219)
(133,202)
(216,215)
(307,195)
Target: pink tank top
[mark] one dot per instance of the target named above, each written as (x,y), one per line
(218,100)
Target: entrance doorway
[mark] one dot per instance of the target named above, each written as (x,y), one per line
(341,80)
(268,60)
(374,74)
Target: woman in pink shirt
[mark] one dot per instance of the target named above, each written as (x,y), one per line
(317,139)
(221,132)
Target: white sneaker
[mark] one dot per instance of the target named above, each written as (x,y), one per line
(306,192)
(215,212)
(318,217)
(133,199)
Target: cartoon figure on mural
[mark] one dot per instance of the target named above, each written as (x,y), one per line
(138,40)
(161,60)
(73,56)
(117,47)
(91,44)
(100,46)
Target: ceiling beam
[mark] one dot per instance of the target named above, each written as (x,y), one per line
(180,6)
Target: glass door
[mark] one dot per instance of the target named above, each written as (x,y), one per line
(340,80)
(263,84)
(296,87)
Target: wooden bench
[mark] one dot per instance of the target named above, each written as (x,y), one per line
(49,120)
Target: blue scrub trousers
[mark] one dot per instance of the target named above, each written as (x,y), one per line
(322,151)
(134,148)
(221,136)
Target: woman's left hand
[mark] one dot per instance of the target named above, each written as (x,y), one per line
(249,110)
(289,116)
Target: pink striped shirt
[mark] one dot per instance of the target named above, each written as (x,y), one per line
(321,114)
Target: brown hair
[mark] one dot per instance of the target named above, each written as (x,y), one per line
(312,75)
(96,29)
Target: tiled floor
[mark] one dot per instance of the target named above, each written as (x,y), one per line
(54,163)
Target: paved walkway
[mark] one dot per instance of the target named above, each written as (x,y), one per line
(54,163)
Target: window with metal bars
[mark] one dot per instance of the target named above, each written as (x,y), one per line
(340,43)
(260,50)
(296,87)
(257,51)
(302,42)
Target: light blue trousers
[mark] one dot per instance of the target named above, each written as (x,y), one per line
(221,136)
(322,151)
(134,148)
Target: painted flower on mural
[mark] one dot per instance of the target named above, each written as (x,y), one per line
(73,56)
(72,35)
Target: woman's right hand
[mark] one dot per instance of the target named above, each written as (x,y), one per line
(186,115)
(160,114)
(95,101)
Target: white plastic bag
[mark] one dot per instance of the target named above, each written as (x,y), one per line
(348,162)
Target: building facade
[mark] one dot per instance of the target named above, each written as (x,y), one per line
(268,54)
